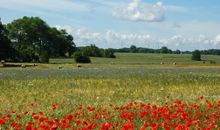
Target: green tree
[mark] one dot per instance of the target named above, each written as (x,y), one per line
(92,50)
(62,43)
(30,37)
(5,48)
(109,53)
(177,52)
(37,41)
(133,49)
(196,55)
(164,50)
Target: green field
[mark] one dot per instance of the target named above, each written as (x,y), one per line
(129,77)
(145,59)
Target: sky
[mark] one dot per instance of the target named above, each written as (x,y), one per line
(177,24)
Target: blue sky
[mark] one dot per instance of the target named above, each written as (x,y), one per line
(185,25)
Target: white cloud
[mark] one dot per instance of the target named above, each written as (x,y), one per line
(204,39)
(114,39)
(140,11)
(107,38)
(176,40)
(68,28)
(217,39)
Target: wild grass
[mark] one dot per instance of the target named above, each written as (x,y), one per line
(108,85)
(132,78)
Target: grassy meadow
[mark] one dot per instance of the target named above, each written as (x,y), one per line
(128,78)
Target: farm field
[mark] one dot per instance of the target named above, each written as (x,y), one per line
(145,59)
(133,91)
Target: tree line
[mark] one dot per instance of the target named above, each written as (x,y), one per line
(164,50)
(210,52)
(30,39)
(83,53)
(134,49)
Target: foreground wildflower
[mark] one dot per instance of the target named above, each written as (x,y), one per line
(174,115)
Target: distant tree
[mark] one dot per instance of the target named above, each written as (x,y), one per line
(133,49)
(196,55)
(211,52)
(170,51)
(186,52)
(92,51)
(164,50)
(80,58)
(177,52)
(123,50)
(109,53)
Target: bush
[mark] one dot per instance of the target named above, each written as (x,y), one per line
(109,53)
(212,62)
(80,58)
(196,55)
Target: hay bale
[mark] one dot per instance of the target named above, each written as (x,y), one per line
(161,63)
(174,63)
(1,65)
(23,66)
(78,65)
(2,61)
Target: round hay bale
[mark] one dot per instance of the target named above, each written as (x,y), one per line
(174,63)
(78,65)
(161,63)
(23,66)
(2,61)
(1,65)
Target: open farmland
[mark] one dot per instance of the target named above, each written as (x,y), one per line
(113,93)
(145,59)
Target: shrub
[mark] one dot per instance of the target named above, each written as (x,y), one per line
(196,55)
(109,53)
(212,62)
(80,58)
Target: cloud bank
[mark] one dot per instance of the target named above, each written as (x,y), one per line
(114,39)
(137,10)
(217,40)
